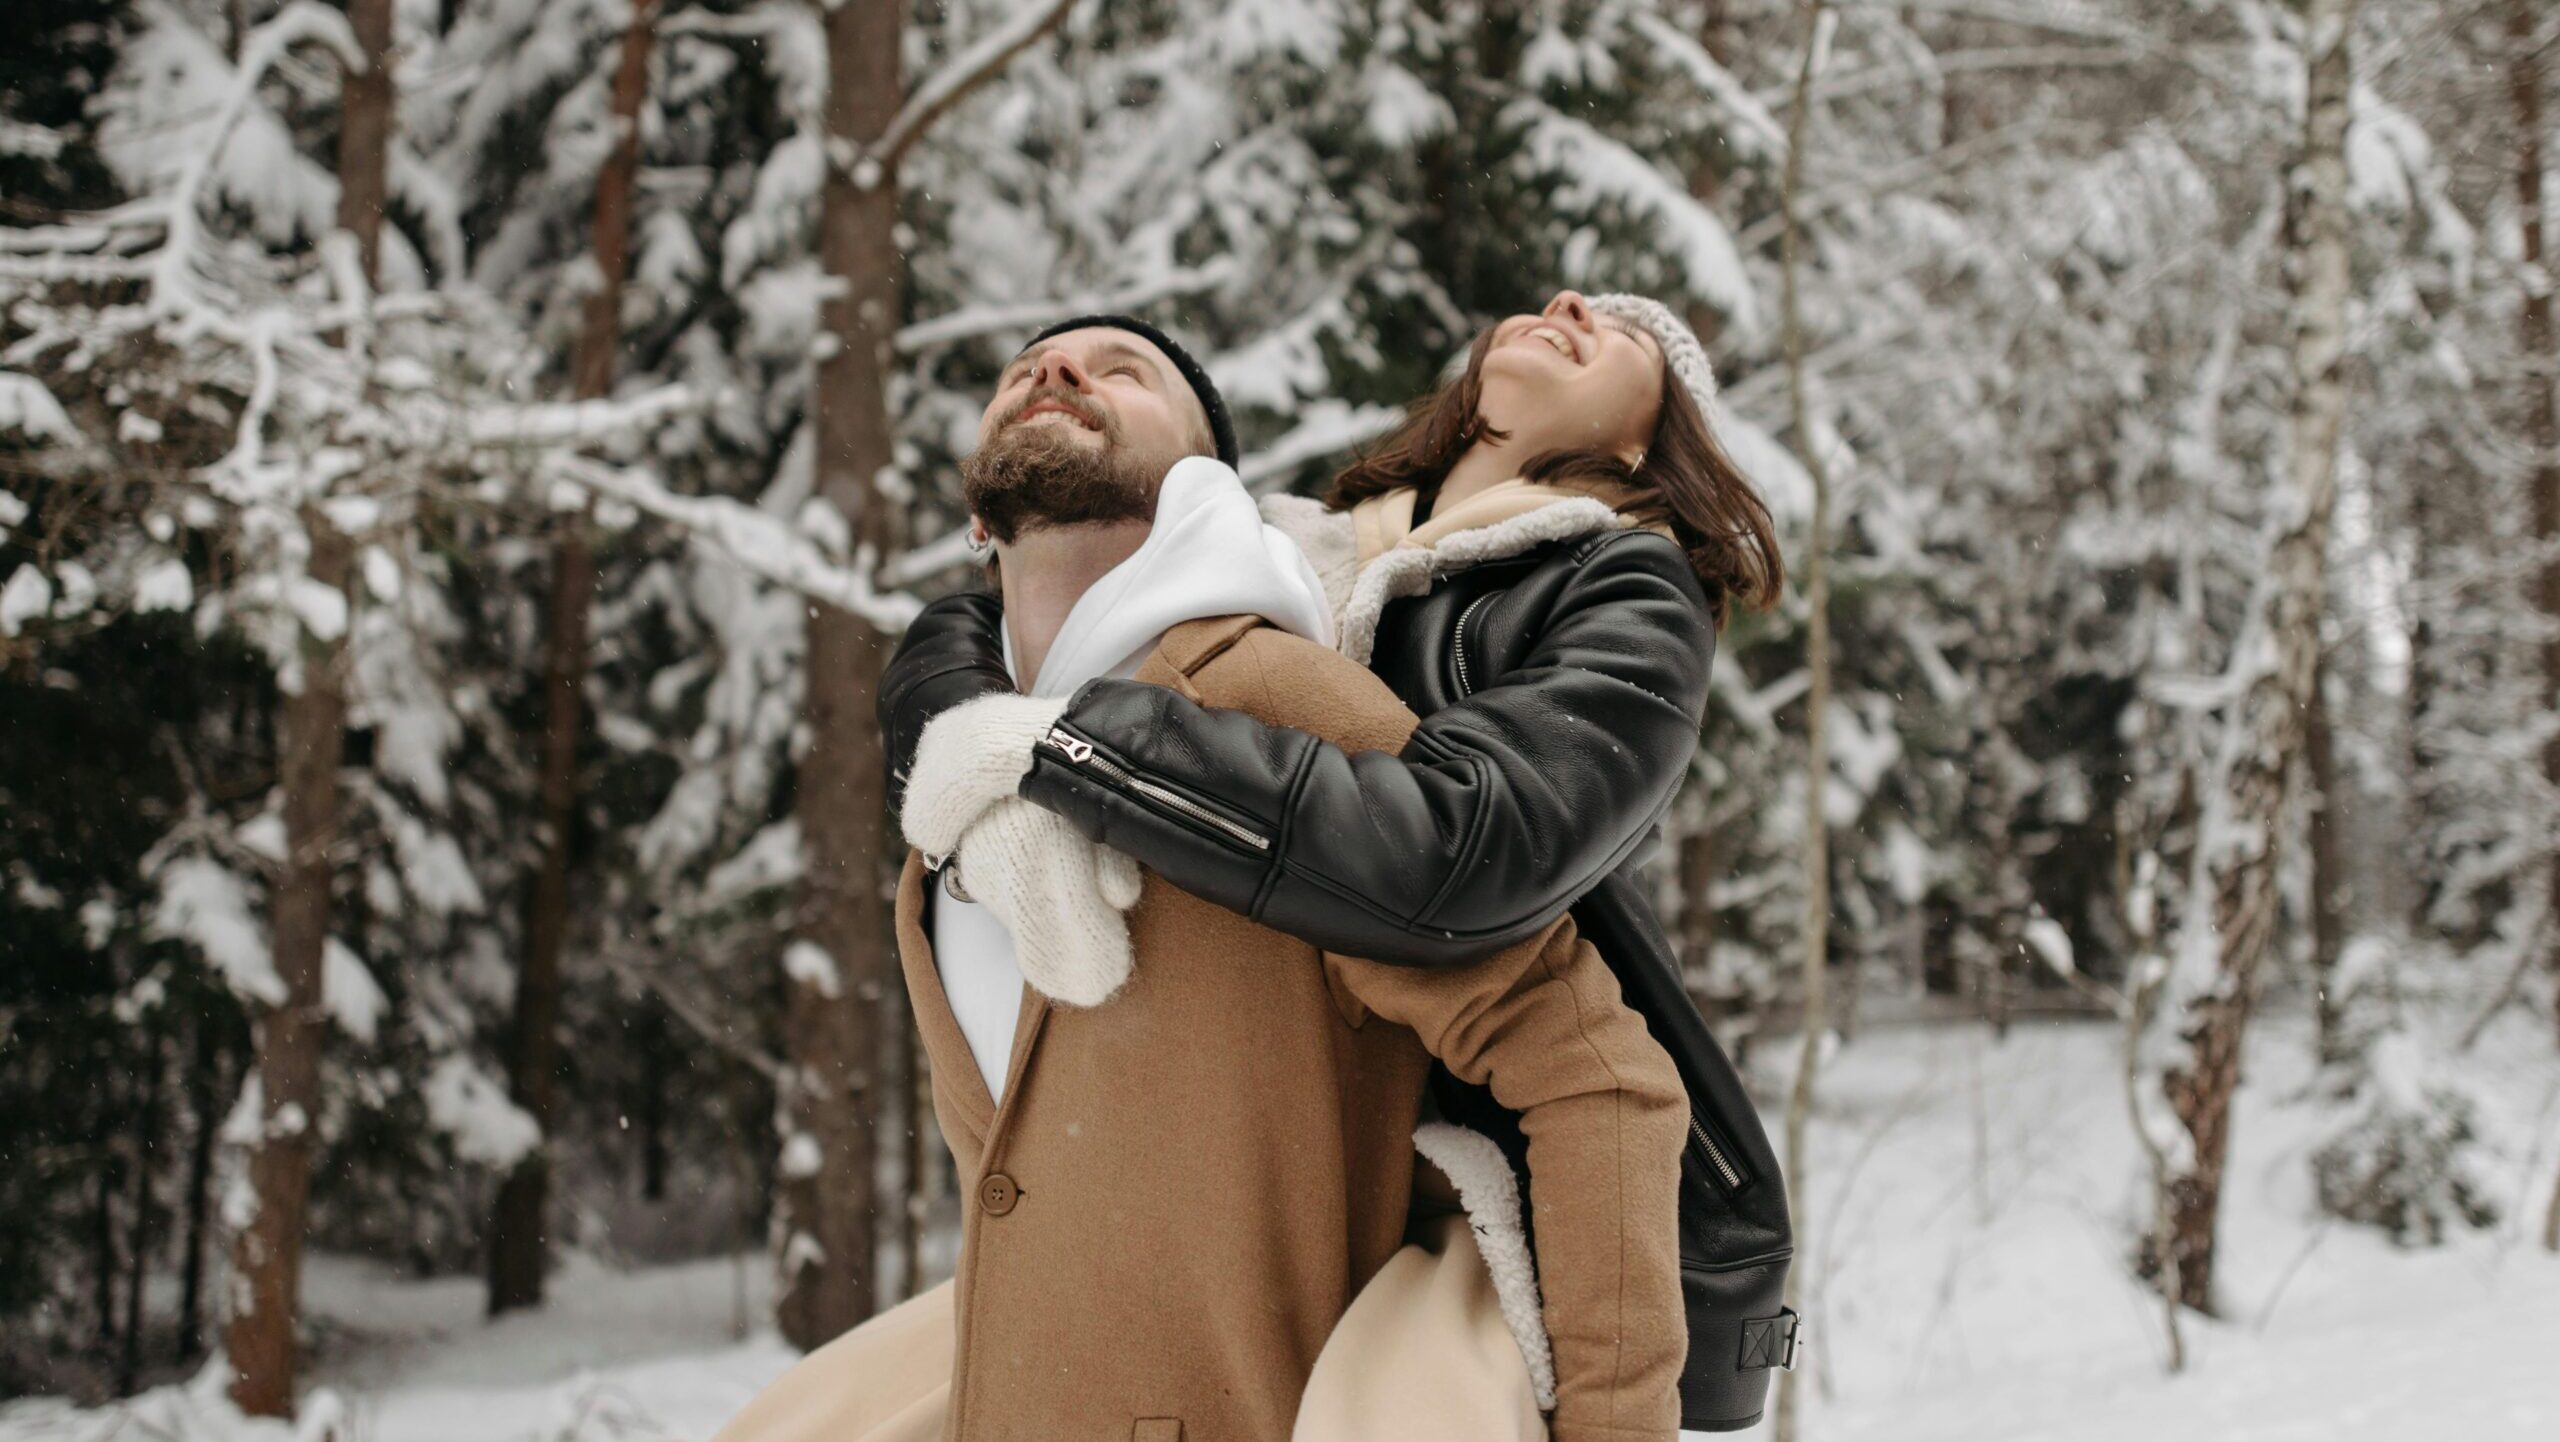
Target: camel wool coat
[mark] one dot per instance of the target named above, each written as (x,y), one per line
(1185,1187)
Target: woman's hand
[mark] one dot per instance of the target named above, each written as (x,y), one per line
(1060,895)
(951,654)
(971,757)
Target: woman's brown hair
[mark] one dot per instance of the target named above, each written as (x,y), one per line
(1686,481)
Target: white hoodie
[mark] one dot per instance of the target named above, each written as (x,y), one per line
(1207,554)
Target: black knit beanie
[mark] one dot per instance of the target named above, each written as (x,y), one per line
(1222,431)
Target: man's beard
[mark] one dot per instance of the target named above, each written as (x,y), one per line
(1028,477)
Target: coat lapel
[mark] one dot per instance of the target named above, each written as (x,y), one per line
(935,1021)
(1027,1030)
(1183,650)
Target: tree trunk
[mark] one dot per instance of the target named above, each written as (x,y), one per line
(2551,1223)
(2542,404)
(835,1021)
(266,1255)
(2241,853)
(2417,898)
(658,1062)
(1697,922)
(1817,704)
(1706,177)
(1996,803)
(1482,44)
(364,135)
(1962,114)
(102,1239)
(204,1088)
(143,1224)
(519,1244)
(2328,869)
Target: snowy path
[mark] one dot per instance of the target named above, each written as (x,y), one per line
(382,1330)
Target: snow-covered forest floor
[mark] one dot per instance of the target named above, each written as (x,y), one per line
(1972,1212)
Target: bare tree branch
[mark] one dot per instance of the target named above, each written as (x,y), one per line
(1962,62)
(950,85)
(766,545)
(696,1017)
(1945,160)
(2028,16)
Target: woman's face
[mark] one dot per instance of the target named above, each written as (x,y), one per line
(1565,379)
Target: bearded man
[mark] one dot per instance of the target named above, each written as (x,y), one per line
(1188,1141)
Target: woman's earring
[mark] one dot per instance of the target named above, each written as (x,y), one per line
(981,545)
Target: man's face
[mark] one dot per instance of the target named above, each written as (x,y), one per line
(1081,430)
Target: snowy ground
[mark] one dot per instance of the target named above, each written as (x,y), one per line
(1971,1204)
(1973,1284)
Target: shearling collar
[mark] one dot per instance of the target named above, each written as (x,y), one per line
(1385,522)
(1373,553)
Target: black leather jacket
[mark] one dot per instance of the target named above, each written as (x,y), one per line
(1561,692)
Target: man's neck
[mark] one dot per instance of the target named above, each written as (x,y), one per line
(1045,572)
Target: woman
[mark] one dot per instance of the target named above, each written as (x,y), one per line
(1537,563)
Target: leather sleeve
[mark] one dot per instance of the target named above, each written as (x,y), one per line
(1501,811)
(953,652)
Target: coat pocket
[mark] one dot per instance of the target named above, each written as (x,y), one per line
(1156,1429)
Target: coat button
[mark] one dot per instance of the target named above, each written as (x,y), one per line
(998,1194)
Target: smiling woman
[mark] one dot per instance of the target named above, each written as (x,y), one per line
(1588,393)
(1563,379)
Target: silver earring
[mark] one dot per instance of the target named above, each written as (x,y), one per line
(980,544)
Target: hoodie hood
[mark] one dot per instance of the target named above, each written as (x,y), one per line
(1208,554)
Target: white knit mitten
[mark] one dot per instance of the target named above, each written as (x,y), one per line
(968,759)
(1117,874)
(1060,895)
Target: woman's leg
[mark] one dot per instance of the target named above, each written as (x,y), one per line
(1423,1355)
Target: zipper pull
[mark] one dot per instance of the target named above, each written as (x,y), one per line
(1078,749)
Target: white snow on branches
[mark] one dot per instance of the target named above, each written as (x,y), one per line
(203,904)
(28,596)
(1592,170)
(474,1111)
(809,965)
(347,988)
(29,410)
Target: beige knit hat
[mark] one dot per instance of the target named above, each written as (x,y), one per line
(1681,348)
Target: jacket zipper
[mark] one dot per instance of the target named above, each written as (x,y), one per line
(1080,751)
(1458,641)
(1716,1158)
